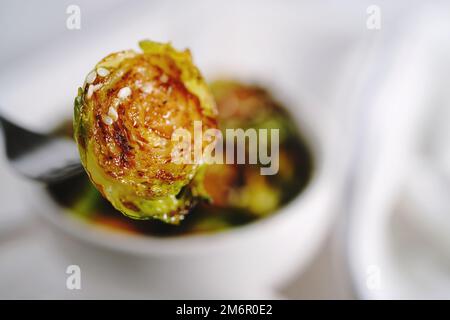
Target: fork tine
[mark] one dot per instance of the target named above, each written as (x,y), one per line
(40,157)
(18,140)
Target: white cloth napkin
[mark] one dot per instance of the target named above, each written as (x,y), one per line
(398,247)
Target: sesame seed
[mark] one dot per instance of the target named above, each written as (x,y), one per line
(165,216)
(115,103)
(112,113)
(147,88)
(102,72)
(173,219)
(97,86)
(164,78)
(90,78)
(107,120)
(141,70)
(181,218)
(90,91)
(160,142)
(124,92)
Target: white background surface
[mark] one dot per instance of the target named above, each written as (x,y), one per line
(327,42)
(32,268)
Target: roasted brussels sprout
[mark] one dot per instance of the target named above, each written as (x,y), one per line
(124,117)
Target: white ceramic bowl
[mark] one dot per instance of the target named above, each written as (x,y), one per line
(244,262)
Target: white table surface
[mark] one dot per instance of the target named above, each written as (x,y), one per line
(30,264)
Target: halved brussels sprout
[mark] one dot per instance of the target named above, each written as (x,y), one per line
(124,117)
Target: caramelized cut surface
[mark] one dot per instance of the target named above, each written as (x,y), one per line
(125,116)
